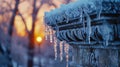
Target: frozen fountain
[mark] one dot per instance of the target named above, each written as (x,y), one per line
(91,27)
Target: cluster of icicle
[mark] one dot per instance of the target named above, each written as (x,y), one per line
(70,11)
(50,34)
(81,9)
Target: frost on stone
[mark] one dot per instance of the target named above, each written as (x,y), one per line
(64,35)
(99,8)
(71,35)
(57,31)
(69,11)
(106,32)
(81,10)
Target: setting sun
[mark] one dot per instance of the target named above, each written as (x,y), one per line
(39,39)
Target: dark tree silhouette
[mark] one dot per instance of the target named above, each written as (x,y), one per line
(30,33)
(10,29)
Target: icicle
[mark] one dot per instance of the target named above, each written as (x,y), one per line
(99,8)
(61,51)
(67,20)
(55,47)
(88,26)
(73,58)
(67,64)
(84,29)
(51,35)
(66,49)
(106,33)
(106,42)
(57,31)
(46,32)
(81,16)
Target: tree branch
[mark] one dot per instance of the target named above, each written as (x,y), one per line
(24,23)
(34,15)
(9,5)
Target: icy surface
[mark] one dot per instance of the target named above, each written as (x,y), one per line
(69,11)
(81,10)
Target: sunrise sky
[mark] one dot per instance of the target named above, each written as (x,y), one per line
(25,8)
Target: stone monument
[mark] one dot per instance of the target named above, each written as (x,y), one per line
(92,28)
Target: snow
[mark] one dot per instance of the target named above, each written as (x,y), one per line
(79,9)
(69,11)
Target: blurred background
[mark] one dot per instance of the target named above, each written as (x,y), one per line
(22,33)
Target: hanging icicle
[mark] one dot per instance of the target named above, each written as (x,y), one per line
(106,30)
(67,20)
(81,15)
(99,10)
(51,35)
(83,22)
(55,47)
(88,25)
(61,50)
(66,49)
(57,31)
(46,32)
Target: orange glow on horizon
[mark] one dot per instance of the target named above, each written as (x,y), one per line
(25,9)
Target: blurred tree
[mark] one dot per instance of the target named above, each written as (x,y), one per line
(10,29)
(11,25)
(31,33)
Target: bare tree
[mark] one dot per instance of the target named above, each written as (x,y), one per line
(10,29)
(31,33)
(3,11)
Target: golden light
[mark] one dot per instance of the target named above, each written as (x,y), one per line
(39,39)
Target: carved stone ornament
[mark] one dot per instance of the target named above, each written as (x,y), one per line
(92,27)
